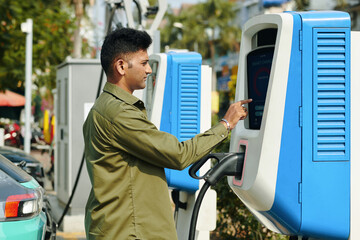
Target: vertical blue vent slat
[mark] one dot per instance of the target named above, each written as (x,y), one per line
(330,90)
(189,97)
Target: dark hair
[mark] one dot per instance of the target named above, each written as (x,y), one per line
(121,42)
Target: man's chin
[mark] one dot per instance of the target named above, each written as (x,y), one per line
(141,87)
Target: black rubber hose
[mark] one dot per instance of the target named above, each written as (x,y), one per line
(229,164)
(97,95)
(196,210)
(139,10)
(73,191)
(83,156)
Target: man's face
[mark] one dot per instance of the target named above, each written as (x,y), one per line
(136,70)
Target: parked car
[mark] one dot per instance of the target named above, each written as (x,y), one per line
(31,165)
(24,209)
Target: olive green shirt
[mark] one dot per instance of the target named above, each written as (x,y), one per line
(125,157)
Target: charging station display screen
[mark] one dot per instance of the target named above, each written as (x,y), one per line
(258,73)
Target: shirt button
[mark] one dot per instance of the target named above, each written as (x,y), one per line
(222,135)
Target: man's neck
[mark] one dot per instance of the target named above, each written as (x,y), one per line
(121,85)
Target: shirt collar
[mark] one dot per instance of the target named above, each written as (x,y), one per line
(120,93)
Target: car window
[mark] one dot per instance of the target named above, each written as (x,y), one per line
(17,155)
(8,186)
(14,171)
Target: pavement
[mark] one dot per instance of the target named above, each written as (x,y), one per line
(57,211)
(70,236)
(56,208)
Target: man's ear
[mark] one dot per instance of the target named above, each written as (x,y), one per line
(119,66)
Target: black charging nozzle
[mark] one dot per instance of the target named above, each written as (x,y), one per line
(228,164)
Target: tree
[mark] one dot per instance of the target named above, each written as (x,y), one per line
(302,4)
(52,31)
(79,9)
(79,13)
(235,221)
(208,28)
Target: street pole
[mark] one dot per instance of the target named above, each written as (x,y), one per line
(27,27)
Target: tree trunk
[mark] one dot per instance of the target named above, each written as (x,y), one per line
(212,54)
(77,37)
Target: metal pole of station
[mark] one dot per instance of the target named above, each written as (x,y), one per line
(27,27)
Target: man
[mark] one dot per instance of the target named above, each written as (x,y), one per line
(126,154)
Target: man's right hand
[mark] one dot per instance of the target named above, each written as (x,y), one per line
(237,111)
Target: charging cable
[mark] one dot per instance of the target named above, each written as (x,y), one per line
(116,5)
(228,164)
(83,155)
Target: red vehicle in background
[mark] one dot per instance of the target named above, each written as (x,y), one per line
(12,135)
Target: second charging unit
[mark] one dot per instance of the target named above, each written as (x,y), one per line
(173,102)
(296,139)
(177,98)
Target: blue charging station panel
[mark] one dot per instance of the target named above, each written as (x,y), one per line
(181,109)
(319,206)
(326,124)
(312,174)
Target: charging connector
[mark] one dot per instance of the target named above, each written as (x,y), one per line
(228,164)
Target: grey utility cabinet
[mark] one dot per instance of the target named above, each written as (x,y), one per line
(77,85)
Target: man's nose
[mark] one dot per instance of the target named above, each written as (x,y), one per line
(148,69)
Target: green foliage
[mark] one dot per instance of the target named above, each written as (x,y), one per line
(52,32)
(235,221)
(197,26)
(302,4)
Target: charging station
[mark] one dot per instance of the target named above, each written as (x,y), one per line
(177,97)
(296,140)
